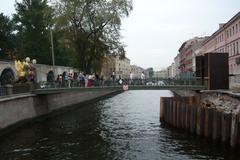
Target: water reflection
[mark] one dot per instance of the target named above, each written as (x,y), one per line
(122,127)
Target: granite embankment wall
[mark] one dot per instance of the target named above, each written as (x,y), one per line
(214,115)
(20,108)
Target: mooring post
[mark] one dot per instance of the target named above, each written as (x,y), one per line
(171,111)
(226,127)
(234,130)
(174,112)
(162,105)
(200,121)
(183,117)
(187,124)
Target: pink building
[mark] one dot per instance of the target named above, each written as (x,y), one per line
(226,39)
(187,55)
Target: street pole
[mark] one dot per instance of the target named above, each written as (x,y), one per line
(53,58)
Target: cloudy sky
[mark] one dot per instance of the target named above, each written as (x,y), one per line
(156,29)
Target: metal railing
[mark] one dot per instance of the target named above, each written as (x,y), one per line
(28,87)
(16,89)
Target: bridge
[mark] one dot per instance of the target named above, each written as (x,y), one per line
(130,87)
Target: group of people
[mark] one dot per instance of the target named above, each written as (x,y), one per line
(77,80)
(131,78)
(88,80)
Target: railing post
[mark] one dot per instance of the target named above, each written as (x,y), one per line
(9,89)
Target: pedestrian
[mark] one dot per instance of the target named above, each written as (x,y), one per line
(131,78)
(143,78)
(69,80)
(113,76)
(66,80)
(81,79)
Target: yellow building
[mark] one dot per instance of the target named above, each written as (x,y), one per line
(121,67)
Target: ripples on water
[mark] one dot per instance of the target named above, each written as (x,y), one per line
(122,127)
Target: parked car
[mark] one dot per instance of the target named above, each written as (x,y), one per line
(43,84)
(161,83)
(149,84)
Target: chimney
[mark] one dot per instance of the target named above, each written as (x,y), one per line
(221,25)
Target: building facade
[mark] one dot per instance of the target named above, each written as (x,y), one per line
(226,39)
(137,71)
(108,66)
(162,74)
(177,66)
(171,73)
(187,53)
(122,67)
(149,72)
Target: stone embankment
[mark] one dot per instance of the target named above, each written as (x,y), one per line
(24,107)
(211,114)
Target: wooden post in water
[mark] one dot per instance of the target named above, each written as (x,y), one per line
(174,112)
(162,105)
(183,115)
(200,121)
(167,110)
(226,120)
(234,131)
(193,119)
(188,111)
(171,111)
(216,125)
(178,114)
(205,122)
(238,120)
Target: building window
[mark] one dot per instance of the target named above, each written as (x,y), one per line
(239,26)
(233,30)
(227,33)
(230,32)
(237,47)
(234,49)
(236,28)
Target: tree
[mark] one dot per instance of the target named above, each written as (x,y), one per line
(64,54)
(93,28)
(33,19)
(7,38)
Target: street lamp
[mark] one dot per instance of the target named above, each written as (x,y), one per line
(53,58)
(52,48)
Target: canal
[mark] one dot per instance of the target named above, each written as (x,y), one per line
(122,127)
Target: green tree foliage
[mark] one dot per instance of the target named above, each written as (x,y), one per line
(33,19)
(64,54)
(7,38)
(93,29)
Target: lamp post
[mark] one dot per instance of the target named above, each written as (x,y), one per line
(52,48)
(53,58)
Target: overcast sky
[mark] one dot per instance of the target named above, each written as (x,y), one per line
(155,29)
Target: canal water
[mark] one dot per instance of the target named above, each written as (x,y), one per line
(123,127)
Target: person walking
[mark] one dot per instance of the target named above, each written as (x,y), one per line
(131,78)
(143,78)
(113,76)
